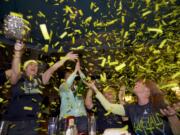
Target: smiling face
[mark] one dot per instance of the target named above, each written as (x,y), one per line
(110,95)
(31,69)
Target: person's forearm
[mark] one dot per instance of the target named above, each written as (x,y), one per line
(114,108)
(57,65)
(71,78)
(88,100)
(48,73)
(174,124)
(16,62)
(82,76)
(16,67)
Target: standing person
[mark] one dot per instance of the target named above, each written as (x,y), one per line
(144,115)
(24,107)
(72,104)
(103,119)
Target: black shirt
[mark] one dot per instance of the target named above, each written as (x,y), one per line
(104,121)
(146,122)
(2,77)
(26,100)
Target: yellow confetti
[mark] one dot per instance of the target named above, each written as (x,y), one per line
(120,67)
(1,45)
(88,20)
(103,62)
(103,77)
(44,31)
(155,30)
(81,12)
(163,43)
(105,89)
(16,14)
(126,34)
(41,14)
(113,63)
(63,35)
(171,85)
(141,67)
(108,113)
(97,41)
(51,63)
(73,40)
(68,10)
(122,19)
(133,24)
(177,74)
(39,115)
(78,48)
(55,88)
(28,108)
(60,49)
(146,13)
(45,48)
(1,100)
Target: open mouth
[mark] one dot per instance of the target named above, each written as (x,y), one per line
(33,70)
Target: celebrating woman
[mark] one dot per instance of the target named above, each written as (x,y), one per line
(144,115)
(24,107)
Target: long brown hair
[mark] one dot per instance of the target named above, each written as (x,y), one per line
(156,95)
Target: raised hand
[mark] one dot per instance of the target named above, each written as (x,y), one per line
(176,106)
(19,46)
(78,67)
(71,56)
(168,111)
(91,85)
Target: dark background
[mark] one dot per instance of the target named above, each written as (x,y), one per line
(113,42)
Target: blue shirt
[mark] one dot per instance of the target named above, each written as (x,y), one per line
(71,105)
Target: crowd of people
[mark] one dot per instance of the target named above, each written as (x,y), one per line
(150,115)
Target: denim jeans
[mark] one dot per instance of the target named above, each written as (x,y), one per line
(81,123)
(27,127)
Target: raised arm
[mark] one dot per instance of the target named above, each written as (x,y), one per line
(48,73)
(170,113)
(16,63)
(68,83)
(70,79)
(88,101)
(81,74)
(114,108)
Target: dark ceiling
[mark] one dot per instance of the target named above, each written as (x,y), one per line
(96,29)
